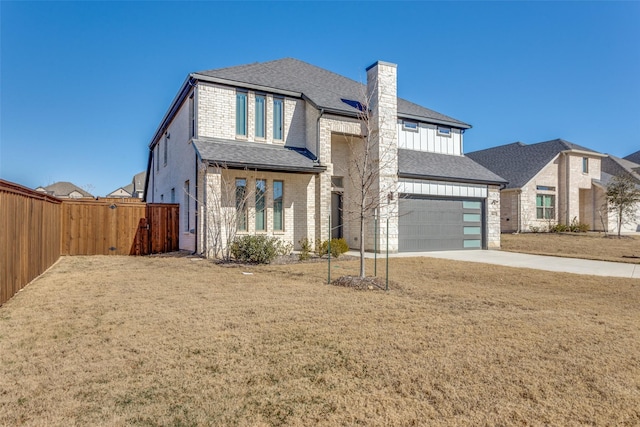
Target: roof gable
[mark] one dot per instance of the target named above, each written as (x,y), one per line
(323,88)
(65,189)
(518,162)
(634,157)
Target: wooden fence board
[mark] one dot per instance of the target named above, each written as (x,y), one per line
(35,229)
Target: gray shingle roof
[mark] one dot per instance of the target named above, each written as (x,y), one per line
(518,163)
(64,188)
(634,157)
(259,156)
(616,166)
(324,88)
(442,166)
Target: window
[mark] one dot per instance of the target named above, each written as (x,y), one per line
(278,192)
(585,165)
(192,117)
(545,188)
(337,182)
(261,214)
(545,206)
(410,125)
(444,131)
(278,118)
(157,157)
(166,145)
(241,114)
(260,116)
(241,204)
(173,195)
(187,204)
(161,198)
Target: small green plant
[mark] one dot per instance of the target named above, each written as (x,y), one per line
(257,249)
(305,249)
(558,228)
(338,247)
(578,227)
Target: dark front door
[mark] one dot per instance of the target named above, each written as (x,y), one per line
(336,215)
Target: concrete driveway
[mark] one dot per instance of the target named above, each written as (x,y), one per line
(538,262)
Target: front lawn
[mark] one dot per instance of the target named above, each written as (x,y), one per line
(109,340)
(594,246)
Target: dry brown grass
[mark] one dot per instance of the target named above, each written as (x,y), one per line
(594,246)
(171,341)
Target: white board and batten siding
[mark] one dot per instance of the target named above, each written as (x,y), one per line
(441,189)
(425,137)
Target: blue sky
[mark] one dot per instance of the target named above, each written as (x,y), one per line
(84,84)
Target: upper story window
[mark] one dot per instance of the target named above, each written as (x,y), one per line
(545,188)
(585,165)
(157,157)
(241,113)
(192,117)
(260,116)
(278,118)
(409,125)
(166,148)
(444,131)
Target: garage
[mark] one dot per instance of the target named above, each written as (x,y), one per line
(439,224)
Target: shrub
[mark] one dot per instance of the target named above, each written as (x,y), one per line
(305,249)
(338,247)
(534,229)
(258,249)
(578,227)
(558,228)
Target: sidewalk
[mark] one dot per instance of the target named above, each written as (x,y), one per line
(538,262)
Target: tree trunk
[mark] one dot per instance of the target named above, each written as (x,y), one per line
(361,246)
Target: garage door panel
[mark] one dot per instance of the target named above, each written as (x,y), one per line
(439,224)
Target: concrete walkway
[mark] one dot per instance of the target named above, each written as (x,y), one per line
(538,262)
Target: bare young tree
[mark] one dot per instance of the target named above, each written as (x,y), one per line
(367,158)
(623,197)
(225,210)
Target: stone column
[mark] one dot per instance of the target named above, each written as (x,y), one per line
(383,104)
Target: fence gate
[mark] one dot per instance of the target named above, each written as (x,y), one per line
(158,231)
(118,227)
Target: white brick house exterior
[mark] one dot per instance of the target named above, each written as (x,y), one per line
(290,125)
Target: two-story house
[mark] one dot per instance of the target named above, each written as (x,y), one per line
(276,143)
(551,182)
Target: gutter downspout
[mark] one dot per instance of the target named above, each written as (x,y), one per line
(196,202)
(566,188)
(519,201)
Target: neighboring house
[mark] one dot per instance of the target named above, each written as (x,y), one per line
(133,189)
(552,182)
(615,166)
(124,192)
(634,157)
(284,131)
(65,190)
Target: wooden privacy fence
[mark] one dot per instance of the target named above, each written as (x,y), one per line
(29,236)
(115,227)
(35,229)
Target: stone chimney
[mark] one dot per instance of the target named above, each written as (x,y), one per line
(383,103)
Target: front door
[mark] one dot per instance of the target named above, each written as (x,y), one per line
(336,215)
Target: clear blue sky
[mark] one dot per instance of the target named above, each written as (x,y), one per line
(85,84)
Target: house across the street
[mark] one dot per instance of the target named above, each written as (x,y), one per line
(554,182)
(286,133)
(65,190)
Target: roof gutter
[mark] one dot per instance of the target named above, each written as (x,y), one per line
(236,83)
(173,109)
(263,167)
(584,153)
(449,179)
(458,125)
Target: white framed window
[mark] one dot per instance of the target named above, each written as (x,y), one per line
(241,204)
(192,117)
(545,206)
(444,131)
(166,149)
(261,211)
(278,211)
(585,165)
(261,116)
(278,119)
(410,125)
(187,207)
(545,188)
(241,114)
